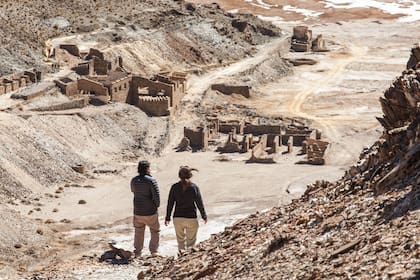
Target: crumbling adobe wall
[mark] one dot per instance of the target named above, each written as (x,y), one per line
(71,49)
(232,145)
(67,86)
(15,81)
(198,137)
(84,69)
(259,154)
(95,53)
(274,142)
(100,66)
(73,104)
(154,105)
(33,92)
(228,126)
(302,39)
(316,150)
(88,86)
(262,129)
(229,89)
(120,89)
(299,135)
(133,92)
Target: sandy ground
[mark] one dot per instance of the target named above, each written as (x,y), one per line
(339,95)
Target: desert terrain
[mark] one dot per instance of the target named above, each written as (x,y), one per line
(49,234)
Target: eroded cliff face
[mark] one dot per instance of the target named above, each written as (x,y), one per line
(363,226)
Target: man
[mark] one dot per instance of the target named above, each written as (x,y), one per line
(146,202)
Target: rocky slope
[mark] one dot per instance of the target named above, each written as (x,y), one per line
(186,33)
(363,226)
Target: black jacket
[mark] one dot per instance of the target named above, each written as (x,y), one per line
(186,203)
(146,195)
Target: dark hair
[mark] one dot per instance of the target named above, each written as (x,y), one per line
(185,172)
(143,166)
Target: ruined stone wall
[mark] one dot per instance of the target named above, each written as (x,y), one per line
(315,151)
(67,86)
(228,89)
(156,86)
(120,90)
(274,141)
(198,137)
(133,92)
(16,81)
(297,139)
(73,104)
(33,91)
(95,53)
(84,69)
(100,66)
(226,127)
(71,49)
(262,129)
(88,86)
(154,105)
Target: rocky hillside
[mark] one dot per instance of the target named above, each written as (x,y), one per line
(39,150)
(363,226)
(192,34)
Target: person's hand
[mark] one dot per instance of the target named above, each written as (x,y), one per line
(166,223)
(205,221)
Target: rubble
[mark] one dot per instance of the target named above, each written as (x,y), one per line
(362,226)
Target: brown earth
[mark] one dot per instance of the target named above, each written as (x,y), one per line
(339,95)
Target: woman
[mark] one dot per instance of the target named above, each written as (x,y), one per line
(187,198)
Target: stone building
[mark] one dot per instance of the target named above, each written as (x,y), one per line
(160,95)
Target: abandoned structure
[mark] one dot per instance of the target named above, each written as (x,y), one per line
(263,139)
(230,89)
(19,80)
(160,95)
(103,79)
(315,150)
(302,40)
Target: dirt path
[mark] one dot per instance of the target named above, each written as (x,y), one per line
(295,107)
(199,84)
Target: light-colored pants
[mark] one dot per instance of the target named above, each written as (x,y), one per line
(186,232)
(140,223)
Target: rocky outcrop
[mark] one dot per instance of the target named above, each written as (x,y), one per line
(363,226)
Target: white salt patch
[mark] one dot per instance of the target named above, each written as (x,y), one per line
(261,4)
(276,20)
(233,11)
(410,8)
(305,12)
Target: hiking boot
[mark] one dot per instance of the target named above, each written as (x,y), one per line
(137,255)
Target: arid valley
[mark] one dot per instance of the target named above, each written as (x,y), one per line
(302,118)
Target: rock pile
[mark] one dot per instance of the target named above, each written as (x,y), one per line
(364,226)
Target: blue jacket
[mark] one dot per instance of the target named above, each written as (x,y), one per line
(146,195)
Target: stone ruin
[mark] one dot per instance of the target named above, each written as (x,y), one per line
(103,79)
(160,95)
(302,40)
(232,89)
(17,81)
(264,140)
(315,151)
